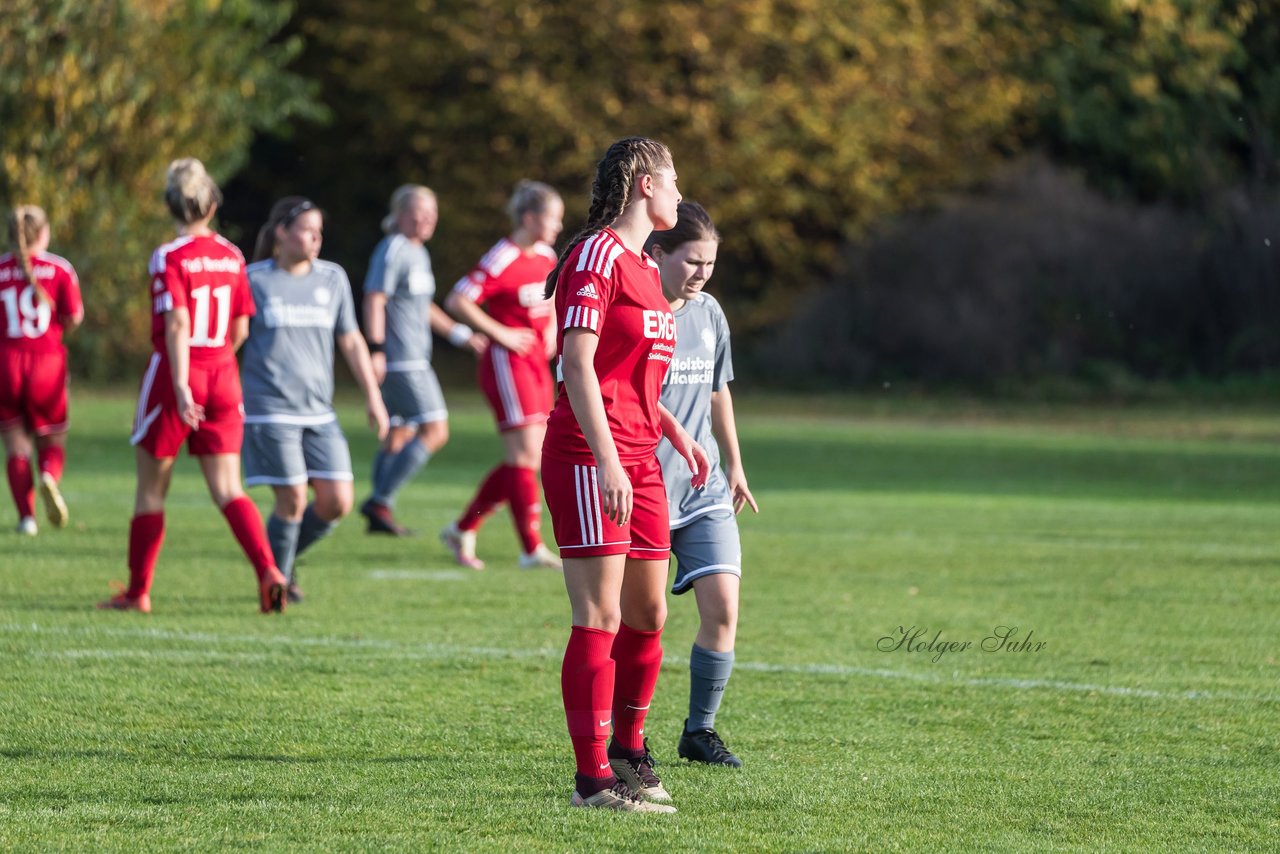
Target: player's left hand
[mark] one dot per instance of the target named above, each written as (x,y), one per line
(376,410)
(738,489)
(478,343)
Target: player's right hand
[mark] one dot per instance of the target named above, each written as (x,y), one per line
(517,339)
(189,411)
(615,493)
(379,361)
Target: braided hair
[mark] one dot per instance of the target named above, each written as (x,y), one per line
(611,191)
(25,226)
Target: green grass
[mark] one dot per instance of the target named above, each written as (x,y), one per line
(410,706)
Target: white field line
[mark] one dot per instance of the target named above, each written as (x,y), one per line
(434,651)
(419,574)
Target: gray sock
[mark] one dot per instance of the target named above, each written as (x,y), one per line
(399,470)
(379,463)
(708,674)
(283,537)
(313,528)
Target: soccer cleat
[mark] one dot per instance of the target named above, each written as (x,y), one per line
(619,797)
(705,746)
(462,544)
(540,558)
(27,526)
(381,520)
(273,591)
(124,602)
(54,506)
(294,594)
(638,774)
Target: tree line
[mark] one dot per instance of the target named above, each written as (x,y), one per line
(809,128)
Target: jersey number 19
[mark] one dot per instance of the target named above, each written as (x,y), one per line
(26,316)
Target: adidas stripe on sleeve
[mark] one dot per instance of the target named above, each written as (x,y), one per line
(589,288)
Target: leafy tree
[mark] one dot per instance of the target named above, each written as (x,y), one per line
(798,122)
(97,97)
(1159,98)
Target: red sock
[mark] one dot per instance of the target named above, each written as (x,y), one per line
(639,658)
(526,506)
(246,524)
(492,492)
(52,460)
(586,681)
(21,485)
(146,534)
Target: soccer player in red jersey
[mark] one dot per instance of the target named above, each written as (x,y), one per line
(601,475)
(39,300)
(190,393)
(514,375)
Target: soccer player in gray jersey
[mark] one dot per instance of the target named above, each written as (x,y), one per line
(292,437)
(399,317)
(704,530)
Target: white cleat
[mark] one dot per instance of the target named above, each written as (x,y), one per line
(540,558)
(463,546)
(620,798)
(54,507)
(27,526)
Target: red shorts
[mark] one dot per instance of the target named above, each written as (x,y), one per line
(33,390)
(518,387)
(157,427)
(582,529)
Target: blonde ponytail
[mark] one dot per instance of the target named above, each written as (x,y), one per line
(24,227)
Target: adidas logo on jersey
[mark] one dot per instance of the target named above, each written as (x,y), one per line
(588,290)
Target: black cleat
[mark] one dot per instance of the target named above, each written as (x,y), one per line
(381,521)
(293,593)
(705,746)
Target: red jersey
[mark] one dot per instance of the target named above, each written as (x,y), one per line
(205,275)
(27,322)
(607,289)
(510,284)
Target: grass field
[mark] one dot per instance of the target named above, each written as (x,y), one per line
(408,705)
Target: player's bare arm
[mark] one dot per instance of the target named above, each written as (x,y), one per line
(692,452)
(465,309)
(724,428)
(356,352)
(177,340)
(583,388)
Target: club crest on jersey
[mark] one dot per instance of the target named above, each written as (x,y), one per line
(321,296)
(589,291)
(709,340)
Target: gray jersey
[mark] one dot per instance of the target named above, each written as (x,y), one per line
(702,364)
(401,269)
(288,359)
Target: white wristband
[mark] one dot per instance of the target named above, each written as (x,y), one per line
(460,334)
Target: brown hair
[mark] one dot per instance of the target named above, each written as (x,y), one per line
(529,197)
(283,212)
(189,191)
(25,226)
(400,200)
(694,223)
(611,191)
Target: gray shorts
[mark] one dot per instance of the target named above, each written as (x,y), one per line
(288,454)
(413,398)
(706,546)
